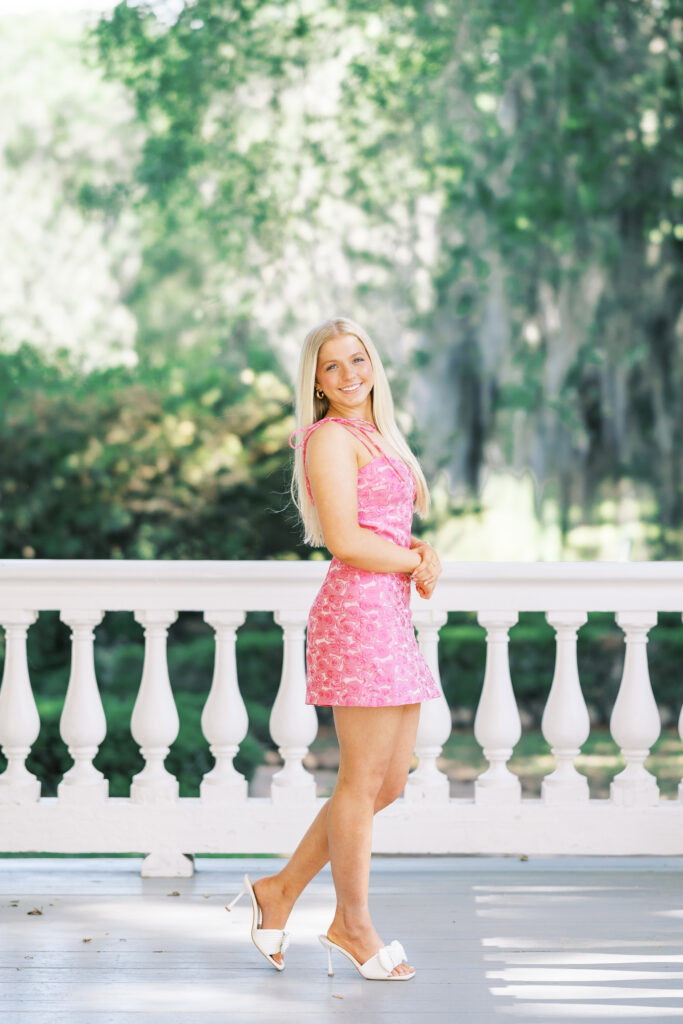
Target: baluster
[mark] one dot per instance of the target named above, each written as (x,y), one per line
(155,722)
(293,723)
(497,725)
(635,723)
(565,724)
(19,719)
(434,727)
(224,718)
(82,724)
(680,733)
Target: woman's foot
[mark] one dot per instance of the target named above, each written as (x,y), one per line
(275,906)
(362,943)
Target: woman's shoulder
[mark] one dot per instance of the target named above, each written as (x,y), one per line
(330,436)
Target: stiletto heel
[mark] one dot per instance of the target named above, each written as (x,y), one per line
(328,946)
(268,941)
(239,896)
(378,967)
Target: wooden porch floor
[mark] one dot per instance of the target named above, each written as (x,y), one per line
(493,939)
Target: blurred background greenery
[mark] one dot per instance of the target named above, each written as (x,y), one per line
(493,189)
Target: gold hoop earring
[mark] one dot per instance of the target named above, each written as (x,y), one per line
(319,394)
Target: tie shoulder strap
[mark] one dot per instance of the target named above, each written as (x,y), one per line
(362,429)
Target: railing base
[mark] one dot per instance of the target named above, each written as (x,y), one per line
(167,864)
(530,827)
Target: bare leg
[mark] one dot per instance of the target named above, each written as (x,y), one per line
(382,779)
(367,738)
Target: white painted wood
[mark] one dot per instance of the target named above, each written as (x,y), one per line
(565,723)
(166,862)
(154,723)
(19,719)
(170,830)
(635,722)
(262,586)
(427,782)
(293,723)
(680,733)
(497,725)
(224,717)
(82,724)
(190,825)
(484,935)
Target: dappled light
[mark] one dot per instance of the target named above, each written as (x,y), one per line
(578,970)
(107,939)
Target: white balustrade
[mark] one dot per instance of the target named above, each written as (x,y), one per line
(154,723)
(224,718)
(635,724)
(223,819)
(434,728)
(565,724)
(497,725)
(680,733)
(293,723)
(19,720)
(82,724)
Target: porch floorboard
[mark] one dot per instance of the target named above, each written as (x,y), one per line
(583,939)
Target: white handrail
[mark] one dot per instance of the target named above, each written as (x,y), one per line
(247,585)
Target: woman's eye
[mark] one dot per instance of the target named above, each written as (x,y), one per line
(359,359)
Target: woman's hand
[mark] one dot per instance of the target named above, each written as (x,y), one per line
(429,569)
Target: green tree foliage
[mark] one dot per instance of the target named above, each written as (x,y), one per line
(189,460)
(552,136)
(496,184)
(68,149)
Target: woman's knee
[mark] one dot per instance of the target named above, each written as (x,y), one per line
(390,790)
(364,786)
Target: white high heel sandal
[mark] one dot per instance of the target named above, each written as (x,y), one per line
(268,941)
(378,967)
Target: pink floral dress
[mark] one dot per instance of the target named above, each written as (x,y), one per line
(360,647)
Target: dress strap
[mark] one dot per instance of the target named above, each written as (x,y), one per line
(363,427)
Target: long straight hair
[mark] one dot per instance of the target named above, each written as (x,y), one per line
(310,409)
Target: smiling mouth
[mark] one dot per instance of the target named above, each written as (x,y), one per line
(353,387)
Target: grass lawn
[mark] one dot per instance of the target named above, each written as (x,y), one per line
(600,760)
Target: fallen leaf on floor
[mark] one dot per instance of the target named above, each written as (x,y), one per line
(34,911)
(14,903)
(158,950)
(336,997)
(206,895)
(174,893)
(86,940)
(523,856)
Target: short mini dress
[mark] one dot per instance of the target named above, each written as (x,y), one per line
(361,649)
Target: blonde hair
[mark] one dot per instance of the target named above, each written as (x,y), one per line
(310,409)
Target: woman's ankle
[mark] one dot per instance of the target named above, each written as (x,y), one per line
(279,888)
(354,925)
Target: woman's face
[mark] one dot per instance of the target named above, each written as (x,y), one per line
(344,374)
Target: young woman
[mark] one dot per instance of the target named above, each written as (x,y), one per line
(356,485)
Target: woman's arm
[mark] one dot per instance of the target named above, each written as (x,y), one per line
(333,473)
